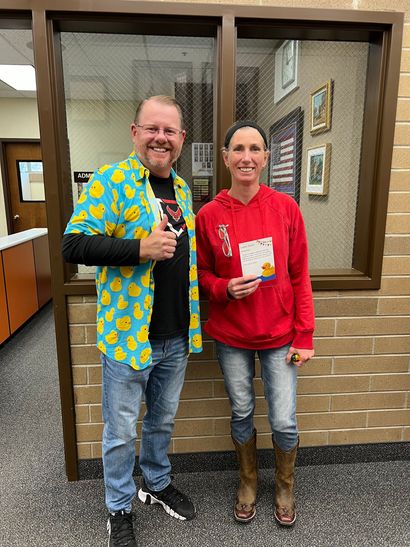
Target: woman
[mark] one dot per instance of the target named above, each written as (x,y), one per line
(253,229)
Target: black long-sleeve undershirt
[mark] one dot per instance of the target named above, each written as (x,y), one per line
(100,250)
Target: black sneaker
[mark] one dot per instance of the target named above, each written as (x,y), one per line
(120,530)
(172,500)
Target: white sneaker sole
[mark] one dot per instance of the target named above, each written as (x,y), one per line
(149,499)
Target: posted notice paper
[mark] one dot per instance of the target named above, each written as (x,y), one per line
(257,258)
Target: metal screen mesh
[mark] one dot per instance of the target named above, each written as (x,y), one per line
(309,97)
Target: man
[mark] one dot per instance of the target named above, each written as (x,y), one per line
(134,221)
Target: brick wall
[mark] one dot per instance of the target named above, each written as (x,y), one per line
(355,390)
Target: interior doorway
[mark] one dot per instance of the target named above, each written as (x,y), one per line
(24,185)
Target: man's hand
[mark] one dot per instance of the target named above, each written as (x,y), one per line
(159,245)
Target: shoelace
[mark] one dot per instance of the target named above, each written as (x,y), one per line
(121,528)
(172,495)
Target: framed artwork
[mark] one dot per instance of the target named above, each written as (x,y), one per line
(318,169)
(285,140)
(321,108)
(286,69)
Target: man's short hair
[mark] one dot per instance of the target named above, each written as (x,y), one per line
(163,99)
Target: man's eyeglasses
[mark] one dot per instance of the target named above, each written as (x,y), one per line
(154,130)
(226,244)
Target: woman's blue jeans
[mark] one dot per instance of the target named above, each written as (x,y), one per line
(279,380)
(124,389)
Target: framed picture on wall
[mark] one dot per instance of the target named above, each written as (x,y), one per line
(321,108)
(285,141)
(318,169)
(286,69)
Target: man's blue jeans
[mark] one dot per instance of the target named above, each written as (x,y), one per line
(279,380)
(123,391)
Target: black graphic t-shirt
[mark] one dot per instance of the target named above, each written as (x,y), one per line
(170,314)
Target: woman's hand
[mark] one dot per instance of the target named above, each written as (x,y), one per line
(241,287)
(305,355)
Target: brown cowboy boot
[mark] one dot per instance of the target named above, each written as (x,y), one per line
(285,512)
(245,504)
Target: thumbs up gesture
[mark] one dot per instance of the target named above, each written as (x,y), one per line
(159,245)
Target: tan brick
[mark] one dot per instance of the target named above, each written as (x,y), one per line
(336,307)
(95,374)
(79,375)
(325,327)
(371,363)
(406,434)
(397,245)
(265,440)
(402,133)
(223,426)
(77,335)
(401,155)
(405,61)
(197,390)
(396,265)
(399,305)
(398,224)
(334,384)
(392,344)
(313,403)
(332,420)
(203,370)
(399,202)
(366,326)
(365,401)
(400,180)
(96,414)
(202,444)
(74,300)
(82,414)
(193,428)
(313,438)
(96,450)
(90,298)
(343,346)
(395,286)
(404,87)
(91,334)
(207,354)
(84,355)
(390,382)
(361,436)
(379,418)
(87,394)
(84,451)
(82,313)
(89,432)
(317,366)
(406,37)
(403,114)
(203,409)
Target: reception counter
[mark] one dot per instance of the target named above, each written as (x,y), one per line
(25,278)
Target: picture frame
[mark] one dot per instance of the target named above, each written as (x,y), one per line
(318,169)
(321,100)
(286,69)
(285,162)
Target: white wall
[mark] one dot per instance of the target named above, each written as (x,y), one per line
(18,120)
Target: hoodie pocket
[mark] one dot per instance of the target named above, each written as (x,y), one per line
(286,297)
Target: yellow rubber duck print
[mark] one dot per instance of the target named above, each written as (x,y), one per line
(182,193)
(98,308)
(131,343)
(126,271)
(100,325)
(119,354)
(105,298)
(97,212)
(190,222)
(123,323)
(116,284)
(96,189)
(194,323)
(109,315)
(138,313)
(109,228)
(145,279)
(193,273)
(193,244)
(132,213)
(134,363)
(114,207)
(268,271)
(194,293)
(122,304)
(117,177)
(103,275)
(104,168)
(101,347)
(119,231)
(134,290)
(82,198)
(82,215)
(129,192)
(135,181)
(124,165)
(142,335)
(145,353)
(144,202)
(140,233)
(197,340)
(147,302)
(112,337)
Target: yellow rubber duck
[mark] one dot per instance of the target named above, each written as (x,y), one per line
(132,213)
(123,323)
(194,323)
(193,273)
(140,233)
(83,197)
(131,343)
(112,337)
(138,313)
(122,304)
(145,279)
(100,325)
(97,212)
(124,165)
(96,189)
(268,270)
(147,302)
(103,274)
(119,231)
(118,176)
(105,298)
(82,215)
(144,202)
(142,335)
(104,168)
(109,228)
(119,354)
(197,340)
(101,347)
(190,222)
(135,181)
(182,193)
(109,314)
(134,363)
(193,243)
(129,192)
(145,353)
(126,271)
(194,293)
(116,284)
(133,289)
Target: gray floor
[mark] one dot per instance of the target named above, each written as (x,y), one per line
(339,505)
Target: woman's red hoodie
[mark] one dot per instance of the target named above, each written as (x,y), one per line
(280,311)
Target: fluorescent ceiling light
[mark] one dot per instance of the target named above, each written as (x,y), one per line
(20,77)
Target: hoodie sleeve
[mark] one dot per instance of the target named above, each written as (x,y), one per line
(299,276)
(214,287)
